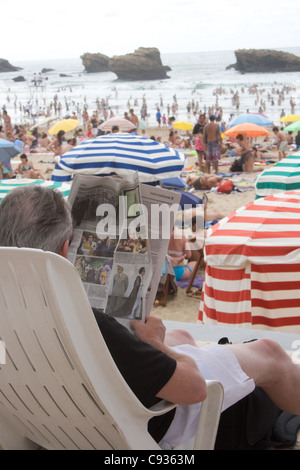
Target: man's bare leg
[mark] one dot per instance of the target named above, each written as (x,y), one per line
(271,369)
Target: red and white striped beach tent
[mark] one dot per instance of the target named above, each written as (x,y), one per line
(252,276)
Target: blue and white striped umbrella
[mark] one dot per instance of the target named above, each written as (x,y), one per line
(120,154)
(8,185)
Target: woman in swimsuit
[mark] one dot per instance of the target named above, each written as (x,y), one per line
(179,255)
(27,170)
(56,144)
(246,160)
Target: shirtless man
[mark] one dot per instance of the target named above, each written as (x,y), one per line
(133,118)
(281,142)
(212,143)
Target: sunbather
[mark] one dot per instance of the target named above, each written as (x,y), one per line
(204,182)
(180,257)
(176,369)
(27,170)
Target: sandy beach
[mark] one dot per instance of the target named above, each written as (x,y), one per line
(181,306)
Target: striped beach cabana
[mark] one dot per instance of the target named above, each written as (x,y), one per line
(252,276)
(283,176)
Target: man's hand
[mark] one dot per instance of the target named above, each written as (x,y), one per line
(152,331)
(186,386)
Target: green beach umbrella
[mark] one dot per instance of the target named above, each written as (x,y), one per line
(8,185)
(295,126)
(283,176)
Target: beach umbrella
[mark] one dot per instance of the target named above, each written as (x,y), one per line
(295,126)
(121,154)
(253,118)
(123,124)
(251,130)
(8,150)
(8,185)
(183,125)
(44,122)
(290,118)
(283,176)
(64,125)
(252,276)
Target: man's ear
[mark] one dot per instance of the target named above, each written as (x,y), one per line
(64,249)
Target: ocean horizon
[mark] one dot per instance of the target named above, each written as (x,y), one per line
(196,77)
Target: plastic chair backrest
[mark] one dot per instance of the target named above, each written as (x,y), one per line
(59,387)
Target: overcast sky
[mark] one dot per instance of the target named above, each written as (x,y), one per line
(31,29)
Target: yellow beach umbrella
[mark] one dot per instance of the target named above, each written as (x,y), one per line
(183,125)
(290,118)
(64,125)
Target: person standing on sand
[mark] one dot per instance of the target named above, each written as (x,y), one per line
(281,142)
(212,144)
(158,117)
(57,143)
(133,118)
(7,123)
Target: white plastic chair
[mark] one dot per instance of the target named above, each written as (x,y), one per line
(59,387)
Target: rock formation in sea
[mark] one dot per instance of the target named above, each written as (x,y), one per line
(144,64)
(265,60)
(20,78)
(5,66)
(95,62)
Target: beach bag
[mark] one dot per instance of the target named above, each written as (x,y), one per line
(225,187)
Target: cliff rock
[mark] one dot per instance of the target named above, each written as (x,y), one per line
(265,60)
(143,64)
(95,62)
(5,66)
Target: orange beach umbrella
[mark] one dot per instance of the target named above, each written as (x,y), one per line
(251,130)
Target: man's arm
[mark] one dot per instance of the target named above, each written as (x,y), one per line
(186,386)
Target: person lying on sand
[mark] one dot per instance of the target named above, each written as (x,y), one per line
(204,182)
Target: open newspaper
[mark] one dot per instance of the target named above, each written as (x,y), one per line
(121,234)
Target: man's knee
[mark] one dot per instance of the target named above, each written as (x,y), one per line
(271,350)
(178,336)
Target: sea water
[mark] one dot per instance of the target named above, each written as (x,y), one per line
(195,78)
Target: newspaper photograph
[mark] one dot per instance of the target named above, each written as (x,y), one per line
(110,249)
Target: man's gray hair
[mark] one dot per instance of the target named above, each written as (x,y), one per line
(35,217)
